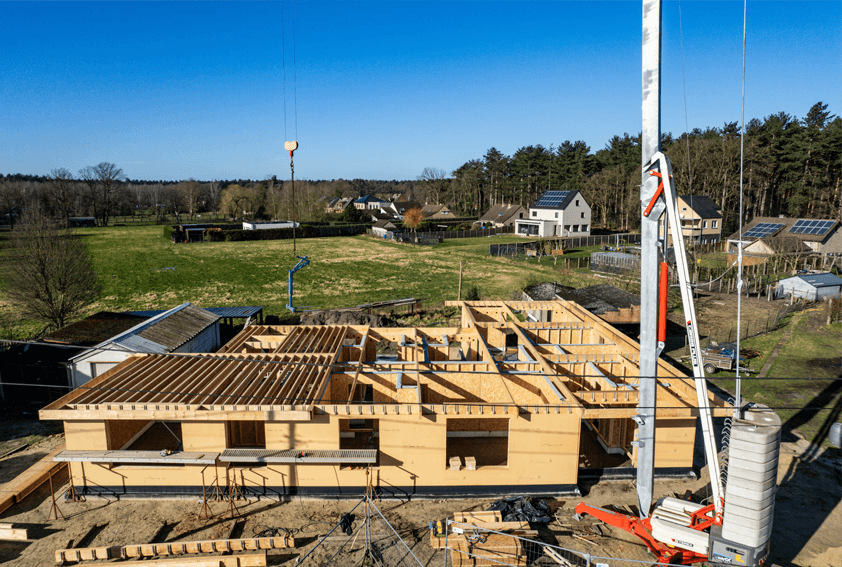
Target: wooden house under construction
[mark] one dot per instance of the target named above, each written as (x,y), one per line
(496,405)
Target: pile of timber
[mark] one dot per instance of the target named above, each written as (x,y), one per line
(253,560)
(22,485)
(7,532)
(481,548)
(174,548)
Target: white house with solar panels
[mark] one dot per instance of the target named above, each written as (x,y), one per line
(557,213)
(765,235)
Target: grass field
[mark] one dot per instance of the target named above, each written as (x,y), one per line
(139,269)
(803,383)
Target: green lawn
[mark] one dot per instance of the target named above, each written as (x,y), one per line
(139,269)
(812,351)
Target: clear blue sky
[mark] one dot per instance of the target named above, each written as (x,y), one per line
(170,90)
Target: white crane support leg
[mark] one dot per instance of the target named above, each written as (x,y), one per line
(673,226)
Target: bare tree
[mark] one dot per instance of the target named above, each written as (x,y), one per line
(189,191)
(102,183)
(11,200)
(48,273)
(213,196)
(61,190)
(435,183)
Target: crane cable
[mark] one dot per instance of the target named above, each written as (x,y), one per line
(738,400)
(290,146)
(686,125)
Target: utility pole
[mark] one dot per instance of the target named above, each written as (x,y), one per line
(650,143)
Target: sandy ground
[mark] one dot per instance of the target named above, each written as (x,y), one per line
(807,532)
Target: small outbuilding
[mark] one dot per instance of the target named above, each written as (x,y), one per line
(383,228)
(186,328)
(267,225)
(812,287)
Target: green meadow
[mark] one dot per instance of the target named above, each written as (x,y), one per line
(139,269)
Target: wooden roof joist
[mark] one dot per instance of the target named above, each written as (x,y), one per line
(576,361)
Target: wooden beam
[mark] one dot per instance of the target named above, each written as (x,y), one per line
(22,485)
(173,548)
(250,560)
(13,533)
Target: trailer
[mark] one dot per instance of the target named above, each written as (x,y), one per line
(714,360)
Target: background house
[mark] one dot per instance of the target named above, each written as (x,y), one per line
(369,202)
(186,328)
(502,215)
(436,212)
(812,287)
(557,213)
(822,236)
(701,220)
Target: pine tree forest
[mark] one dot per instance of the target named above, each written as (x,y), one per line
(792,167)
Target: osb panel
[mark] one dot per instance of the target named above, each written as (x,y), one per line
(414,444)
(122,430)
(452,388)
(674,442)
(203,436)
(544,448)
(86,436)
(322,432)
(526,390)
(141,475)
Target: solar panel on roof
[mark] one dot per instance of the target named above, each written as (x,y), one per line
(762,230)
(809,226)
(551,199)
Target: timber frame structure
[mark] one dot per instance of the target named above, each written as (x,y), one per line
(493,406)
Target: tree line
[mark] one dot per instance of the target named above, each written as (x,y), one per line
(792,167)
(103,192)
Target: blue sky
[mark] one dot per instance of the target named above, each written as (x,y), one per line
(379,90)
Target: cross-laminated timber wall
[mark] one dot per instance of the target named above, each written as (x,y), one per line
(511,395)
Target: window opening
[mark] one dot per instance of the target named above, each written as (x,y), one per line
(486,440)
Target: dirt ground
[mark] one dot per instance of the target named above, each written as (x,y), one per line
(716,313)
(808,517)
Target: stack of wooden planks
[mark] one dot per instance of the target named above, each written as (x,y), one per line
(252,560)
(481,547)
(22,485)
(174,548)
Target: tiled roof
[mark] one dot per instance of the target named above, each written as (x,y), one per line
(703,206)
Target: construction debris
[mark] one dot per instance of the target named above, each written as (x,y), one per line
(521,509)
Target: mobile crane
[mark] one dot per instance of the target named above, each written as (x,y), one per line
(735,528)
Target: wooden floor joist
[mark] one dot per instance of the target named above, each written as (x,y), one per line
(173,548)
(251,560)
(22,485)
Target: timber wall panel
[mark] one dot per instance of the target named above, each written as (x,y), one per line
(86,436)
(674,442)
(204,436)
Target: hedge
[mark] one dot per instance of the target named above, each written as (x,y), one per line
(303,231)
